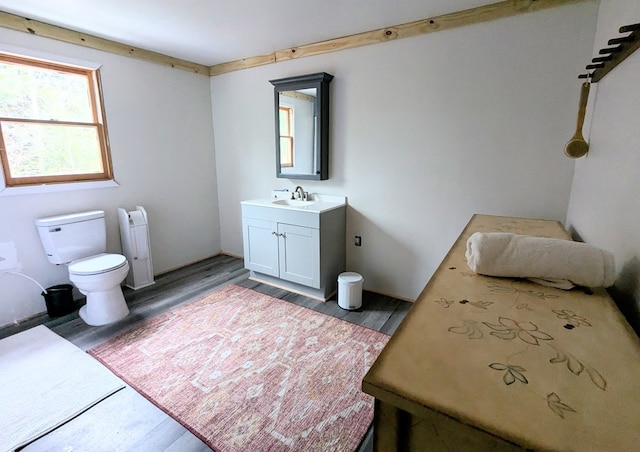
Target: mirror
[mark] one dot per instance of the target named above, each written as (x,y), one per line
(302,126)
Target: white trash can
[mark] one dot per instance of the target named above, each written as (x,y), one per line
(350,290)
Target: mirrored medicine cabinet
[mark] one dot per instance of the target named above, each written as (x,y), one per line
(302,126)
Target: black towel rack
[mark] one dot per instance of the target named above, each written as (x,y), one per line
(612,56)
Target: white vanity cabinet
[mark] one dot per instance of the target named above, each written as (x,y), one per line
(300,249)
(283,250)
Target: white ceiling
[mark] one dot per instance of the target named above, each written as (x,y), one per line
(217,31)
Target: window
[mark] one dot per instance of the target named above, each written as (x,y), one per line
(286,136)
(52,127)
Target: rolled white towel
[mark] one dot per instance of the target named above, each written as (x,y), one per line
(544,260)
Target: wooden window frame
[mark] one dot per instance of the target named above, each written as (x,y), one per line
(288,137)
(99,124)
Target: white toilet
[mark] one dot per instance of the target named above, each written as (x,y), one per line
(79,240)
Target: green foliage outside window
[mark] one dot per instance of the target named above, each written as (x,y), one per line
(50,123)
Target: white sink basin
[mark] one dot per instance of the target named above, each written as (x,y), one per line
(293,202)
(317,203)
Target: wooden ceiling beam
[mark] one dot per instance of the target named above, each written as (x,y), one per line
(462,18)
(486,13)
(45,30)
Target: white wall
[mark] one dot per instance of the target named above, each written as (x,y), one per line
(159,122)
(425,132)
(605,197)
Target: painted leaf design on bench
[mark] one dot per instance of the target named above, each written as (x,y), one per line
(509,329)
(573,364)
(444,302)
(481,304)
(576,367)
(512,373)
(571,317)
(502,288)
(538,294)
(468,327)
(596,378)
(558,407)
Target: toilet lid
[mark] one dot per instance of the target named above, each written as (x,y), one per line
(101,263)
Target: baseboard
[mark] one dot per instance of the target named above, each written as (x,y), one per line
(227,253)
(172,269)
(397,297)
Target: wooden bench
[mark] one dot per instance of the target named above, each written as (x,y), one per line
(498,363)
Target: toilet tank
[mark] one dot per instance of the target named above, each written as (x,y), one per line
(66,238)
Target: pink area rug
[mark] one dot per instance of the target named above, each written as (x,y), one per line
(247,372)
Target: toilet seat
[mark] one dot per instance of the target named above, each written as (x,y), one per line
(95,265)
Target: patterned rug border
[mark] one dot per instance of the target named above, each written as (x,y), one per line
(158,319)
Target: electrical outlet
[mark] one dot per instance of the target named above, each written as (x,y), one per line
(8,256)
(358,241)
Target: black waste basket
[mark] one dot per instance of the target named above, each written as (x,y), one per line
(59,300)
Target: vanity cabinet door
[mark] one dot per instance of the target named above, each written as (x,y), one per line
(261,246)
(299,252)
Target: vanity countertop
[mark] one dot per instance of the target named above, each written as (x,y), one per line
(318,203)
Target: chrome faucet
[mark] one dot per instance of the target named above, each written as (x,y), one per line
(301,194)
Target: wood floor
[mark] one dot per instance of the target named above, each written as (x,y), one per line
(126,421)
